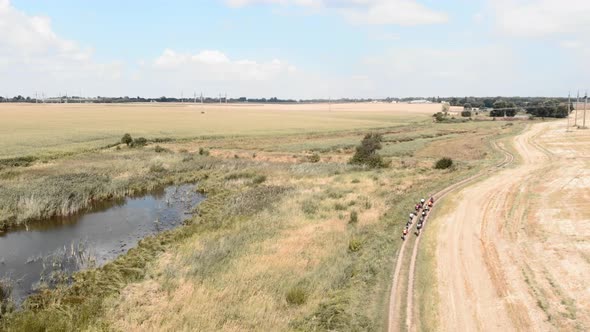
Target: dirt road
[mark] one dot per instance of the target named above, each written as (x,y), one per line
(514,252)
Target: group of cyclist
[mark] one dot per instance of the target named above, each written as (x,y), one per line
(420,212)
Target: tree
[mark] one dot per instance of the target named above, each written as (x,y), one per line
(445,108)
(126,139)
(511,112)
(548,109)
(467,106)
(466,114)
(488,103)
(366,153)
(503,108)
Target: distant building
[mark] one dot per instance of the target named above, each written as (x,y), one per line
(420,101)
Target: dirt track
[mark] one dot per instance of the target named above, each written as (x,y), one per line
(514,253)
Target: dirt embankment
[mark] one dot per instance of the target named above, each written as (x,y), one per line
(514,253)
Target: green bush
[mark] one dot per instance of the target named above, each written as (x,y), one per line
(296,296)
(160,149)
(366,153)
(314,158)
(443,163)
(354,217)
(259,179)
(139,142)
(354,245)
(466,114)
(126,139)
(203,152)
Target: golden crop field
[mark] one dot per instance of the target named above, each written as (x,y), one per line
(33,129)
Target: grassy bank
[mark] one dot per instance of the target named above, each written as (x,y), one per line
(281,243)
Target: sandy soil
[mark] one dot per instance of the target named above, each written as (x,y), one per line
(514,253)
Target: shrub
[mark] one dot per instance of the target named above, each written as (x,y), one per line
(160,149)
(354,245)
(355,181)
(444,163)
(314,158)
(309,207)
(203,152)
(259,179)
(139,142)
(466,114)
(240,175)
(296,296)
(6,304)
(365,202)
(354,217)
(183,151)
(339,207)
(366,153)
(334,193)
(126,139)
(157,167)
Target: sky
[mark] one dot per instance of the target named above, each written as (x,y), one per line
(294,48)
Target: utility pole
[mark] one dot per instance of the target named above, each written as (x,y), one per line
(182,96)
(585,102)
(577,104)
(201,98)
(567,126)
(195,97)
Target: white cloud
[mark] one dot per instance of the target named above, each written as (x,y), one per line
(542,18)
(379,12)
(430,71)
(558,23)
(35,57)
(214,65)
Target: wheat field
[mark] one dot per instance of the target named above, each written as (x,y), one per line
(45,129)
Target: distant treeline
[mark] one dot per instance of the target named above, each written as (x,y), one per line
(498,106)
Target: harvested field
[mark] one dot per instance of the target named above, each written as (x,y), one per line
(44,129)
(515,246)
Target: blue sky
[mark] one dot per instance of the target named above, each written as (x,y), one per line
(295,48)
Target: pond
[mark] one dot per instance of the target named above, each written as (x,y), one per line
(45,251)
